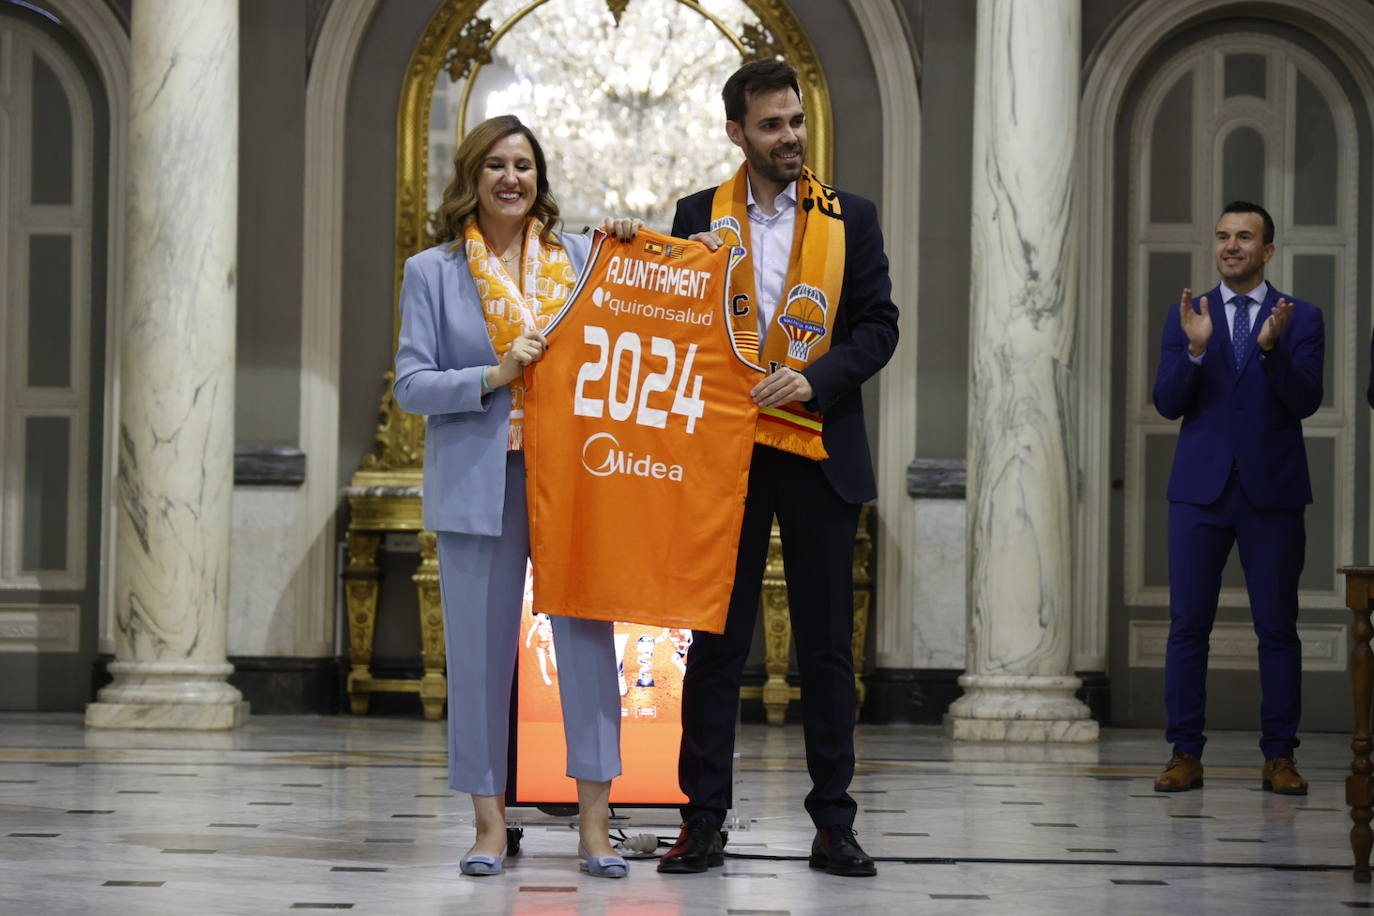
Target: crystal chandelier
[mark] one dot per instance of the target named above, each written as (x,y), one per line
(628,112)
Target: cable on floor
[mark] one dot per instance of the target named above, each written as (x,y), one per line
(1122,863)
(667,843)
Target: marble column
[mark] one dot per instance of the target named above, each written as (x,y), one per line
(1018,684)
(176,374)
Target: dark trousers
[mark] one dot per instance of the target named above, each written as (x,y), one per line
(817,529)
(1272,543)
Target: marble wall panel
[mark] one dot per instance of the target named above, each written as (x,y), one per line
(939,616)
(263,559)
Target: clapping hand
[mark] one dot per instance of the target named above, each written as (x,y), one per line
(1273,326)
(1197,325)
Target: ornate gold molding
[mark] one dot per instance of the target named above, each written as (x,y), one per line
(433,685)
(760,42)
(471,47)
(400,435)
(457,41)
(792,42)
(360,585)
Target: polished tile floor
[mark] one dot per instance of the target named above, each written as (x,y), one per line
(354,814)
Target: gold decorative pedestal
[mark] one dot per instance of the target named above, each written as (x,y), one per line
(376,510)
(384,496)
(776,693)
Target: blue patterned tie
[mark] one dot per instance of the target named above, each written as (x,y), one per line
(1240,330)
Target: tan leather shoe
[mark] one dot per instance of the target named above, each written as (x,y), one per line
(1281,776)
(1183,772)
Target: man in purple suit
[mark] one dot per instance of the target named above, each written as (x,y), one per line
(1242,366)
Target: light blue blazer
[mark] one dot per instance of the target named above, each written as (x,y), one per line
(443,346)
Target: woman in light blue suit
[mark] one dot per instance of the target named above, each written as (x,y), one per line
(471,312)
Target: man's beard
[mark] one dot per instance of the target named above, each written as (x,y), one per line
(770,168)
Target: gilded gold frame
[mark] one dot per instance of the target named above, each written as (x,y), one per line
(456,27)
(457,41)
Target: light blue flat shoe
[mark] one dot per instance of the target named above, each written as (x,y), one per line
(602,866)
(479,865)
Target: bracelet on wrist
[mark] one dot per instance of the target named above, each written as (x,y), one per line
(486,385)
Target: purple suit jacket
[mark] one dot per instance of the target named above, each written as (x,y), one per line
(1251,418)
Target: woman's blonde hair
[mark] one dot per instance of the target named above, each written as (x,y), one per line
(460,197)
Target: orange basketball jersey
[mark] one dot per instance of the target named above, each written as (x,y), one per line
(638,433)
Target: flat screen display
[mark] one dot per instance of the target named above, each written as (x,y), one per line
(650,663)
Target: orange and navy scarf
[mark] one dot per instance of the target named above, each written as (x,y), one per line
(546,279)
(804,319)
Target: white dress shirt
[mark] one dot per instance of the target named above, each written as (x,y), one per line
(770,239)
(1228,296)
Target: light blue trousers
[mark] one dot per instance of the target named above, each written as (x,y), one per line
(482,580)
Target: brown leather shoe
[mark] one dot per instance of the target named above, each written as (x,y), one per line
(1183,772)
(1281,777)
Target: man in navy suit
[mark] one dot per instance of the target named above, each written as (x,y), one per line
(816,501)
(1242,366)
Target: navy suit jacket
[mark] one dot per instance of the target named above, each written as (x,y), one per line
(865,335)
(1252,418)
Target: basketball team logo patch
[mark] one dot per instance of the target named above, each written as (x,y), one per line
(803,319)
(724,224)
